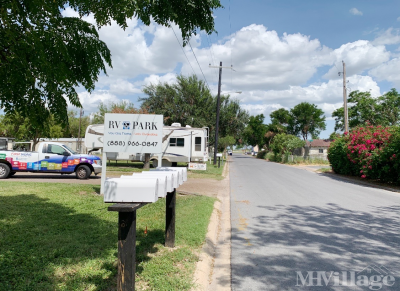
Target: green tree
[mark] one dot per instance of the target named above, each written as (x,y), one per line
(22,129)
(306,119)
(255,131)
(73,124)
(363,108)
(190,102)
(286,143)
(44,55)
(224,142)
(280,118)
(116,107)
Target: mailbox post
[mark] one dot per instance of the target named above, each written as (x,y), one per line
(126,244)
(170,219)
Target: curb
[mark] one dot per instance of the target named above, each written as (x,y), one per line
(215,258)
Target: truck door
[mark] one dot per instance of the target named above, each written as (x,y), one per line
(52,158)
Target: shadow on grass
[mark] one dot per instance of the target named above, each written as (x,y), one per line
(45,245)
(309,238)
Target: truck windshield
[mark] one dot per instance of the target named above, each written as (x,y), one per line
(69,149)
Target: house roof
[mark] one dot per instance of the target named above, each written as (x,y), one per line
(319,143)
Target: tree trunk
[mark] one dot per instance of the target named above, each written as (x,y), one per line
(146,161)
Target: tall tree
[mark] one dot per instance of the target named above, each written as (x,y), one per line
(306,119)
(44,55)
(255,131)
(190,102)
(116,107)
(383,110)
(74,123)
(22,129)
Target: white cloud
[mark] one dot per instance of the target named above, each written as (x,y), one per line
(155,79)
(90,102)
(388,37)
(262,59)
(359,56)
(398,18)
(355,11)
(326,96)
(256,109)
(388,71)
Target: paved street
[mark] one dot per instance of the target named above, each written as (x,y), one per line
(287,220)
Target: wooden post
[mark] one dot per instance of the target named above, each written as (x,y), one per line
(126,244)
(170,219)
(126,251)
(219,162)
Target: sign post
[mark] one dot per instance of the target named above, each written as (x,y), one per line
(129,133)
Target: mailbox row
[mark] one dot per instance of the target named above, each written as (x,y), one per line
(145,186)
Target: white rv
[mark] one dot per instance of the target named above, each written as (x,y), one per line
(181,144)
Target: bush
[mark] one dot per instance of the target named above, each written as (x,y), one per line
(262,155)
(369,151)
(337,156)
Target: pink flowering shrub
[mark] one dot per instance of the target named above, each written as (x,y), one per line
(369,152)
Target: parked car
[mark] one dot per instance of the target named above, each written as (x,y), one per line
(230,152)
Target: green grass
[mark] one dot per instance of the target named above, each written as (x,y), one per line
(212,172)
(297,160)
(125,166)
(61,237)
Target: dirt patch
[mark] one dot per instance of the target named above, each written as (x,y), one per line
(206,187)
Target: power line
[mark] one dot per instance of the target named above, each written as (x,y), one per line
(183,49)
(199,66)
(211,52)
(230,33)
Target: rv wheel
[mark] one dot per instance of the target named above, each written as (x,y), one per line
(4,171)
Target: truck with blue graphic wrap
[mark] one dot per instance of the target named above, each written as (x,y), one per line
(49,157)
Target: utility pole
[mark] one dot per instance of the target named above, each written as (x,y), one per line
(217,123)
(218,105)
(346,115)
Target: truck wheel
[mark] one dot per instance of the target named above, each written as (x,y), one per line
(4,171)
(83,172)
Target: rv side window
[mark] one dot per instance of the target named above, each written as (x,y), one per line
(176,142)
(197,144)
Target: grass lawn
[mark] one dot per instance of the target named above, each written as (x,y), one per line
(212,172)
(125,166)
(61,237)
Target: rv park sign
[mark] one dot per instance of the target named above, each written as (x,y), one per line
(133,133)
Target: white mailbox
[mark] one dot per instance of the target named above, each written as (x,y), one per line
(180,172)
(183,171)
(172,178)
(162,183)
(130,190)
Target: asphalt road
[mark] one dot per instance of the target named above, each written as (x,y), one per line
(287,222)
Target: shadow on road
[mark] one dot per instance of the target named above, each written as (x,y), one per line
(311,238)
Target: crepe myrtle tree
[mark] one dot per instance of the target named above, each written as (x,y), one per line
(45,56)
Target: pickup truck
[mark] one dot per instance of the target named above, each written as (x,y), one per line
(49,157)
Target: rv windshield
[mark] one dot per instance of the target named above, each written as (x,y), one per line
(72,151)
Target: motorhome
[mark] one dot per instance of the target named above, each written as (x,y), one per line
(180,145)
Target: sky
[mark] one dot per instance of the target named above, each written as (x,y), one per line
(284,52)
